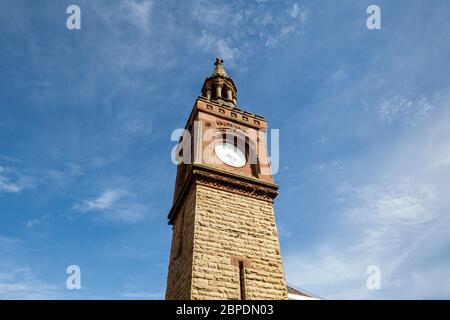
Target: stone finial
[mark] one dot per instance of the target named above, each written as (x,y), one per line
(219,70)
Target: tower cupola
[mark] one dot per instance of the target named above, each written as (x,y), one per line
(219,86)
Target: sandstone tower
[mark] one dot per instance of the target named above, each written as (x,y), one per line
(225,241)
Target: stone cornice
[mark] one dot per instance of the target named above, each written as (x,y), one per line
(215,178)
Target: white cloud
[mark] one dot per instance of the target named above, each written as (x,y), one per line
(16,179)
(115,205)
(236,30)
(382,227)
(133,252)
(41,221)
(22,283)
(58,177)
(408,204)
(19,282)
(298,11)
(104,201)
(11,181)
(7,244)
(406,110)
(134,122)
(131,43)
(220,46)
(138,13)
(398,219)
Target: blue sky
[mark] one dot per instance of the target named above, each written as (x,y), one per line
(86,118)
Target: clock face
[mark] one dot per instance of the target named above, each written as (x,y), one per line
(230,154)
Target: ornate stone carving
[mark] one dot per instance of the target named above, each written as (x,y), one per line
(200,175)
(221,182)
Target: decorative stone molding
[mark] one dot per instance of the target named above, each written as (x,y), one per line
(214,178)
(234,185)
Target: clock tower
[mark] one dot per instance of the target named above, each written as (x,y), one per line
(225,242)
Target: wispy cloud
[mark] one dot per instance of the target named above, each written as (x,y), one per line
(236,30)
(298,11)
(390,205)
(7,244)
(384,227)
(104,201)
(59,176)
(405,110)
(138,13)
(12,181)
(132,41)
(22,283)
(115,205)
(41,221)
(128,251)
(398,219)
